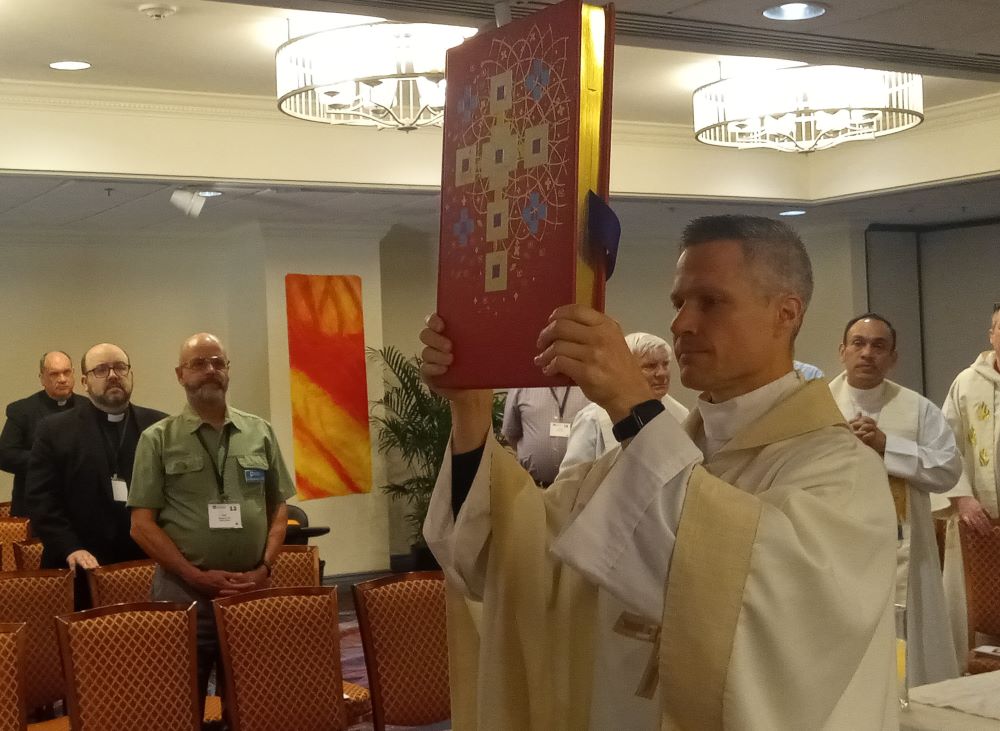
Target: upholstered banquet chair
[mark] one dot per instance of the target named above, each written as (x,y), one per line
(981,556)
(131,667)
(402,621)
(12,530)
(296,566)
(281,653)
(120,583)
(36,597)
(5,509)
(13,716)
(27,555)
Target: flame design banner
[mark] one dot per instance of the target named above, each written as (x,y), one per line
(326,353)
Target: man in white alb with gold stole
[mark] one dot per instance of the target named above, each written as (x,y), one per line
(735,573)
(916,444)
(971,410)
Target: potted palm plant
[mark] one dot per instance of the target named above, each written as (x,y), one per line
(413,423)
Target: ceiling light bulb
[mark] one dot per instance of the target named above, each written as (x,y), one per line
(795,11)
(69,65)
(793,212)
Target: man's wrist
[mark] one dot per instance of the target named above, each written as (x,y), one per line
(267,566)
(637,417)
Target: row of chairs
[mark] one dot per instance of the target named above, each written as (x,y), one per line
(402,623)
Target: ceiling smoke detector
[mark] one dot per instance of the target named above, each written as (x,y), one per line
(155,11)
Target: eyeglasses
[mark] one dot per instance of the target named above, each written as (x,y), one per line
(201,364)
(103,370)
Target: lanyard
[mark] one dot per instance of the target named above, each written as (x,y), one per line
(217,470)
(110,450)
(562,406)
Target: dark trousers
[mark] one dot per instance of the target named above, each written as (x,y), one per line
(169,588)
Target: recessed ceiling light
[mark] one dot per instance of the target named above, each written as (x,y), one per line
(795,11)
(794,212)
(69,65)
(209,193)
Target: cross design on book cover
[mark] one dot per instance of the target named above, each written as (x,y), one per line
(513,144)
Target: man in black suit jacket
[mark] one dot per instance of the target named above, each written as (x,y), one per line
(55,371)
(80,470)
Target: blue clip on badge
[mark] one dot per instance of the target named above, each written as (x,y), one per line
(253,474)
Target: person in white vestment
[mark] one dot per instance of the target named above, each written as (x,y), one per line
(971,408)
(736,573)
(591,435)
(917,445)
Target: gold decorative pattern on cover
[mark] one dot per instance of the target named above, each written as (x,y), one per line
(5,509)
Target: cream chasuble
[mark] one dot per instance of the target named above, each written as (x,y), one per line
(970,409)
(777,610)
(920,453)
(592,434)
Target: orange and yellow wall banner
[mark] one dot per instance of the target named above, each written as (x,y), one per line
(326,353)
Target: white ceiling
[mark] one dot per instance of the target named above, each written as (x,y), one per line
(227,47)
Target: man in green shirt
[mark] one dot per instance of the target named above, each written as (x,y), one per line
(208,495)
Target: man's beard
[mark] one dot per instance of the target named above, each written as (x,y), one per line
(208,393)
(113,402)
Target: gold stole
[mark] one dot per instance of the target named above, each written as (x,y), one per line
(900,416)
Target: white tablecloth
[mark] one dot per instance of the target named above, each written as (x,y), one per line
(970,703)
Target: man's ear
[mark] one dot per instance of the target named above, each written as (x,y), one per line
(790,312)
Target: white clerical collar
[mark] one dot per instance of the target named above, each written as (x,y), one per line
(721,422)
(867,401)
(115,418)
(61,402)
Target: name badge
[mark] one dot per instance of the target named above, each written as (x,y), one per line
(254,475)
(119,489)
(224,515)
(559,429)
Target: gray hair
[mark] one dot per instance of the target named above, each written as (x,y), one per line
(642,343)
(782,263)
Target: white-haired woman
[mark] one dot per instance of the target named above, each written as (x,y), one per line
(591,436)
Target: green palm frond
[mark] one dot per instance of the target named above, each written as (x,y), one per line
(414,423)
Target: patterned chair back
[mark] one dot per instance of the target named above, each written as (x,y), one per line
(131,666)
(12,530)
(5,510)
(403,630)
(981,556)
(35,598)
(121,583)
(281,654)
(28,555)
(296,566)
(13,716)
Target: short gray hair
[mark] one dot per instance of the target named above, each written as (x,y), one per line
(642,343)
(782,263)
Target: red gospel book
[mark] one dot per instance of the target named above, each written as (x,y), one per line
(526,136)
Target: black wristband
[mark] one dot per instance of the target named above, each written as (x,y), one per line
(640,415)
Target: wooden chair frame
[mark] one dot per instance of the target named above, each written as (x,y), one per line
(64,622)
(94,575)
(367,642)
(19,630)
(218,605)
